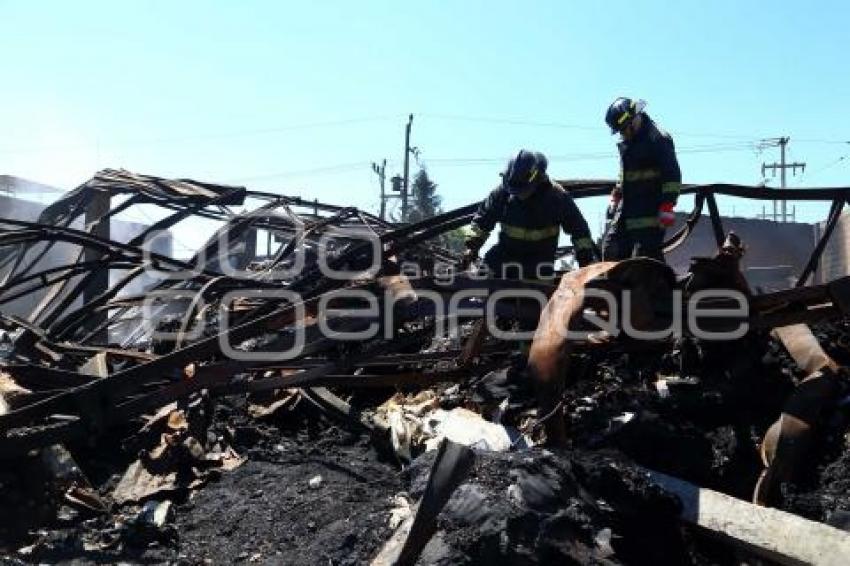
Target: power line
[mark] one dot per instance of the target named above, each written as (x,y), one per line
(589,127)
(589,156)
(465,161)
(206,136)
(827,167)
(509,121)
(340,168)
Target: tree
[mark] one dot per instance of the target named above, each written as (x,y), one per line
(455,240)
(425,202)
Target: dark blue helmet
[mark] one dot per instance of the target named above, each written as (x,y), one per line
(525,171)
(621,113)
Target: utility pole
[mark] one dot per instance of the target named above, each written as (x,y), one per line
(406,169)
(382,175)
(782,142)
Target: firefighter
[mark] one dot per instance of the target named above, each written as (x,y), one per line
(532,209)
(642,202)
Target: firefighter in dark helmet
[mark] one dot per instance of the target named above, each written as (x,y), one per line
(642,202)
(532,210)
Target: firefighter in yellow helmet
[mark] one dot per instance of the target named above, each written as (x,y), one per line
(642,203)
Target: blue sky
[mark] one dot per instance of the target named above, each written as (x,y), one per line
(299,97)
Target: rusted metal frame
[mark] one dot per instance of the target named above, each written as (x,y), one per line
(716,222)
(54,292)
(101,392)
(299,202)
(173,219)
(342,213)
(74,321)
(21,254)
(424,231)
(378,380)
(81,349)
(809,316)
(50,318)
(60,432)
(768,193)
(234,227)
(201,380)
(307,230)
(313,282)
(38,378)
(793,306)
(801,296)
(686,230)
(123,304)
(190,310)
(388,360)
(32,340)
(308,377)
(310,280)
(110,409)
(120,384)
(585,189)
(174,190)
(378,353)
(85,239)
(89,229)
(71,271)
(831,223)
(335,407)
(110,250)
(76,428)
(23,236)
(464,281)
(95,395)
(11,321)
(202,212)
(295,201)
(438,251)
(233,283)
(444,218)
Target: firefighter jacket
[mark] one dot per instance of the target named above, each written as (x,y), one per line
(649,177)
(530,228)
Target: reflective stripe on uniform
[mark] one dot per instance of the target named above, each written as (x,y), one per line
(671,187)
(530,234)
(641,174)
(642,222)
(583,244)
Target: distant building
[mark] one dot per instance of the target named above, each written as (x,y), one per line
(835,261)
(776,252)
(12,186)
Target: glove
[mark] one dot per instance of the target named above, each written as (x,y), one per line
(616,197)
(469,256)
(666,216)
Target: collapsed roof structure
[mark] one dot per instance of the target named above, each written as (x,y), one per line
(344,318)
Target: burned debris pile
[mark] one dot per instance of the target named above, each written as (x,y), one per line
(316,385)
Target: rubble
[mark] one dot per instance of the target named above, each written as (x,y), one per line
(165,427)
